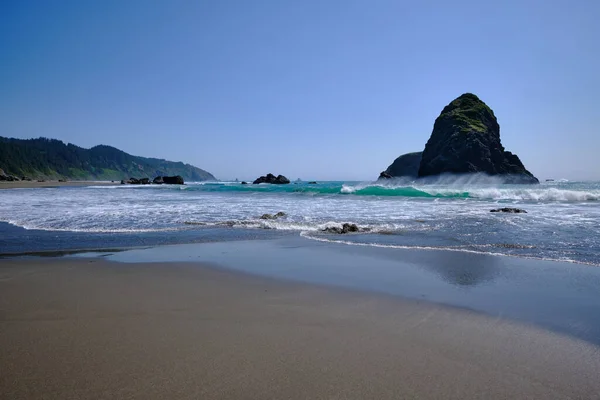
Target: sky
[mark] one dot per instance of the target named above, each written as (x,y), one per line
(309,89)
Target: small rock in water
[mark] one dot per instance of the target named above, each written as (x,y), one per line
(273,216)
(509,210)
(346,228)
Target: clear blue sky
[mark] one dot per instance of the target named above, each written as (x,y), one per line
(310,89)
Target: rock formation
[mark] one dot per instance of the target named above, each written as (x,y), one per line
(141,181)
(273,216)
(8,178)
(510,210)
(345,228)
(466,139)
(270,178)
(173,180)
(406,165)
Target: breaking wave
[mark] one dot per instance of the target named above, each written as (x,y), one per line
(447,187)
(534,193)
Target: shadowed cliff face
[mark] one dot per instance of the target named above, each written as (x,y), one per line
(466,139)
(405,165)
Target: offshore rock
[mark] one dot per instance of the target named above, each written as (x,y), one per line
(173,180)
(466,139)
(158,180)
(407,165)
(273,216)
(509,210)
(346,228)
(270,178)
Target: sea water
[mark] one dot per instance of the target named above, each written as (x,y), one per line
(562,220)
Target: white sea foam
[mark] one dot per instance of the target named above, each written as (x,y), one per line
(439,248)
(545,194)
(564,215)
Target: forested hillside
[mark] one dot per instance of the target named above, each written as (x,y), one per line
(53,159)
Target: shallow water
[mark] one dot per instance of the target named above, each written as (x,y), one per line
(563,297)
(562,222)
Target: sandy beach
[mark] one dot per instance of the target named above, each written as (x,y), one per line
(88,328)
(51,184)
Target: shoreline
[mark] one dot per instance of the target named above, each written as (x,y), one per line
(86,328)
(559,296)
(53,184)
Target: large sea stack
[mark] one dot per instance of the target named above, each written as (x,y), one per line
(466,139)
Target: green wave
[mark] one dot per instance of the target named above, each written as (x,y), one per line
(328,189)
(406,192)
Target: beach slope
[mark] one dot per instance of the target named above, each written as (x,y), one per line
(87,328)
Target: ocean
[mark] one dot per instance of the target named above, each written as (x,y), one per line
(562,222)
(437,242)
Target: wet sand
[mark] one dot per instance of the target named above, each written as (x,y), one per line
(51,184)
(88,328)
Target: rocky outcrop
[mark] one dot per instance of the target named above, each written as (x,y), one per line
(7,178)
(135,181)
(466,139)
(273,216)
(407,165)
(270,178)
(173,180)
(345,228)
(158,180)
(509,210)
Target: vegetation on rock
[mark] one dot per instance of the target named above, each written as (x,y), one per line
(466,139)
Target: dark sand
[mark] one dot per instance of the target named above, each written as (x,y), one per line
(91,329)
(52,184)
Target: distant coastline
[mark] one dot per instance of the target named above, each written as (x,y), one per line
(51,159)
(53,183)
